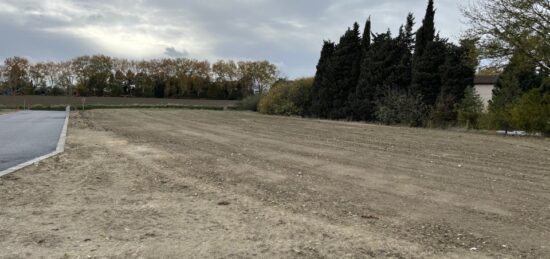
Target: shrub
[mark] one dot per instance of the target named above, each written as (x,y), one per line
(532,112)
(444,112)
(249,103)
(287,98)
(470,109)
(397,107)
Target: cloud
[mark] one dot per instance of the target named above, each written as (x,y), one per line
(285,32)
(173,53)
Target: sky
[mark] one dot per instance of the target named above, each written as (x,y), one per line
(288,33)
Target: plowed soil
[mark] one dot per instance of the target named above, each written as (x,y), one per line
(181,184)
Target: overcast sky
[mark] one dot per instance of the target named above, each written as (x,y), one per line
(288,33)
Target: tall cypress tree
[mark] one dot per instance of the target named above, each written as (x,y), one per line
(359,94)
(366,40)
(429,56)
(404,47)
(426,33)
(319,90)
(344,68)
(408,33)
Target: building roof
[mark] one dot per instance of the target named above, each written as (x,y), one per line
(485,80)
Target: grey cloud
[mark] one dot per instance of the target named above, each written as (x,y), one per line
(40,46)
(173,53)
(286,32)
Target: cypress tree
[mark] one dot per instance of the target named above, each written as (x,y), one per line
(366,40)
(319,90)
(426,77)
(429,56)
(379,74)
(404,47)
(426,33)
(359,94)
(408,33)
(457,74)
(343,73)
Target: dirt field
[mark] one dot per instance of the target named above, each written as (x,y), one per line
(20,101)
(180,184)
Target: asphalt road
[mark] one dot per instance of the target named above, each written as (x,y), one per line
(27,135)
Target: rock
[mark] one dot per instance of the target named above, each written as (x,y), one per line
(223,203)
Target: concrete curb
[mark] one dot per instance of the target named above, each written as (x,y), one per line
(60,148)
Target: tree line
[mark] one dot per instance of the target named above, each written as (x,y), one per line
(101,75)
(412,78)
(418,78)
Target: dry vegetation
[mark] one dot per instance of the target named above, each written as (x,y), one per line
(46,101)
(178,183)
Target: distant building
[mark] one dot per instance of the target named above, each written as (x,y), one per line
(484,86)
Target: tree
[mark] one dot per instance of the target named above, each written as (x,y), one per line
(404,47)
(344,69)
(505,95)
(426,76)
(470,109)
(457,73)
(520,76)
(510,26)
(385,66)
(16,72)
(66,77)
(361,99)
(522,70)
(428,57)
(258,76)
(225,74)
(130,85)
(37,75)
(532,112)
(320,97)
(426,33)
(383,70)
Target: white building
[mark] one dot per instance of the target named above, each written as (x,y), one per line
(484,86)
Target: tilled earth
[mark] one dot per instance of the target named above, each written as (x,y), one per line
(180,184)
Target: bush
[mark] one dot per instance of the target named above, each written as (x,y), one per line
(249,103)
(287,98)
(400,108)
(532,112)
(444,113)
(470,109)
